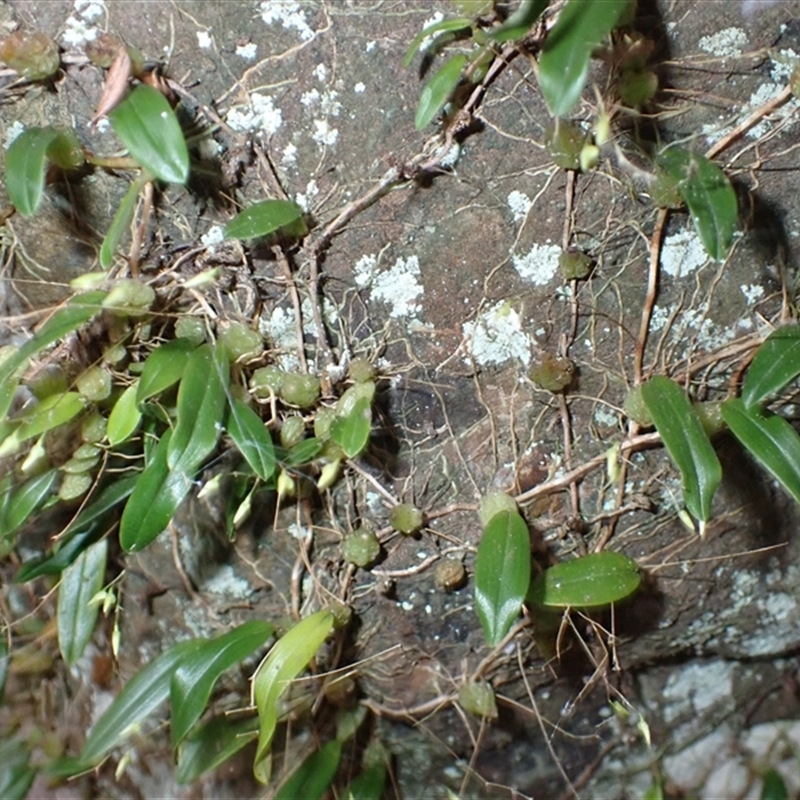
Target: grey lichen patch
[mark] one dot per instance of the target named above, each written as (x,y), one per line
(399,287)
(496,337)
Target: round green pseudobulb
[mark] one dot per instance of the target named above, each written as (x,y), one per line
(592,581)
(48,380)
(293,431)
(574,265)
(190,328)
(267,381)
(405,518)
(361,547)
(74,485)
(241,342)
(636,409)
(478,698)
(564,141)
(361,370)
(300,389)
(94,384)
(553,373)
(493,504)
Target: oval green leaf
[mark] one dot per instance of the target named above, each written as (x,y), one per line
(149,129)
(776,364)
(154,500)
(502,573)
(686,441)
(351,432)
(252,438)
(290,655)
(437,91)
(201,408)
(709,196)
(212,745)
(26,164)
(312,778)
(564,63)
(458,24)
(164,368)
(125,417)
(76,615)
(772,441)
(16,774)
(591,581)
(194,679)
(142,695)
(263,218)
(24,500)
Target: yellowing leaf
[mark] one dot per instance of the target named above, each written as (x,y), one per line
(289,656)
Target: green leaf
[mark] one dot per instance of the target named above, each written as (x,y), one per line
(502,573)
(142,695)
(154,500)
(16,775)
(26,165)
(351,432)
(55,410)
(776,364)
(164,368)
(252,438)
(263,218)
(84,530)
(686,442)
(773,787)
(520,22)
(709,196)
(66,150)
(194,679)
(437,91)
(24,500)
(458,24)
(772,441)
(212,745)
(289,656)
(201,408)
(564,63)
(367,786)
(125,417)
(591,581)
(120,224)
(314,775)
(302,453)
(4,661)
(150,130)
(75,614)
(78,310)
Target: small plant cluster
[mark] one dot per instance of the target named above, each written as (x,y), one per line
(123,440)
